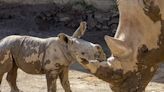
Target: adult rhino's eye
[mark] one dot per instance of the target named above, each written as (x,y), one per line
(144,49)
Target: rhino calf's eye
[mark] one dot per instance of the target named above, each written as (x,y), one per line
(96,55)
(57,65)
(83,53)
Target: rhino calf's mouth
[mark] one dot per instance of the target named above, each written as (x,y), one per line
(84,61)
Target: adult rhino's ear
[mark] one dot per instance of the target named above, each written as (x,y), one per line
(81,30)
(117,47)
(63,37)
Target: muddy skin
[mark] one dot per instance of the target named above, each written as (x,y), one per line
(64,79)
(129,82)
(51,56)
(110,75)
(148,61)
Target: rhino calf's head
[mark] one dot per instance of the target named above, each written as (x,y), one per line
(82,50)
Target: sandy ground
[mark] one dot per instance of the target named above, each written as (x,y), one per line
(80,80)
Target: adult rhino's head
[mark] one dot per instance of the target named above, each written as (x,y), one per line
(137,47)
(139,34)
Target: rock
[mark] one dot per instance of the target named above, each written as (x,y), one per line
(65,13)
(104,5)
(78,7)
(61,2)
(114,27)
(113,21)
(92,24)
(105,27)
(98,26)
(64,19)
(98,17)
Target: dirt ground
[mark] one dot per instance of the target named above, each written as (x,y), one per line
(80,80)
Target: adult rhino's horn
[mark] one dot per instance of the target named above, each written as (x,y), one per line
(80,30)
(117,47)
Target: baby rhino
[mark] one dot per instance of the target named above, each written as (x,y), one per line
(51,56)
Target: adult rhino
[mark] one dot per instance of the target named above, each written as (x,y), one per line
(137,48)
(51,56)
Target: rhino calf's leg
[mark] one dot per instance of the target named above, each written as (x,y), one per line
(11,78)
(51,80)
(64,79)
(1,76)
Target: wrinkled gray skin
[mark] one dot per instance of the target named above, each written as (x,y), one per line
(51,56)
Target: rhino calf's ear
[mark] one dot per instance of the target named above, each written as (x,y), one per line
(63,37)
(81,30)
